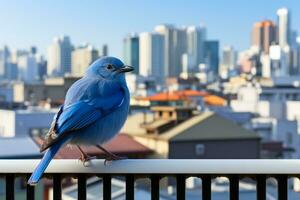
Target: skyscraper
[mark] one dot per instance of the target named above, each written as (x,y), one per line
(4,61)
(131,51)
(229,58)
(263,35)
(211,56)
(151,55)
(59,56)
(104,50)
(173,41)
(82,57)
(28,68)
(284,30)
(196,37)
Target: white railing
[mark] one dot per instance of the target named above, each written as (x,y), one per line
(155,169)
(159,166)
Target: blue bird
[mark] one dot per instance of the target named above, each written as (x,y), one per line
(94,111)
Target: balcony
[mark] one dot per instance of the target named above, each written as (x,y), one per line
(155,169)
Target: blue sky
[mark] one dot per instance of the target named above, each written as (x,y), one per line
(25,23)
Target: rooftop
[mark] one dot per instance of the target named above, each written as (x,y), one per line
(18,147)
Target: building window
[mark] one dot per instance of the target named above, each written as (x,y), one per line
(160,113)
(199,149)
(171,114)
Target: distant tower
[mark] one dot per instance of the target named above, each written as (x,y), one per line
(174,47)
(82,57)
(131,51)
(151,55)
(212,56)
(4,61)
(263,35)
(229,57)
(196,37)
(33,50)
(284,30)
(59,56)
(104,50)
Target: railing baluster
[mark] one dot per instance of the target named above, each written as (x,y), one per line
(154,187)
(206,187)
(10,187)
(29,191)
(282,187)
(261,191)
(129,187)
(180,184)
(107,187)
(234,187)
(81,187)
(57,187)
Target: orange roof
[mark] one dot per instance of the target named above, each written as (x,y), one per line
(214,100)
(176,95)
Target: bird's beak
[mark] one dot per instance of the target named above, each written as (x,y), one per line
(124,69)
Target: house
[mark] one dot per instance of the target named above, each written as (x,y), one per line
(23,122)
(204,135)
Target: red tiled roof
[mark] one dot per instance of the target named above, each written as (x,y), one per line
(122,144)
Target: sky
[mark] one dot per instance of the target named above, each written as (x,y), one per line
(27,22)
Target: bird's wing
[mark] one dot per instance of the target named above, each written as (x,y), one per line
(82,114)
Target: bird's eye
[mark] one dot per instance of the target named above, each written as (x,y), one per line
(109,67)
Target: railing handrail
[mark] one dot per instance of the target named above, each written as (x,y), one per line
(158,166)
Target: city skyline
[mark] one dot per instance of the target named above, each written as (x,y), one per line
(30,31)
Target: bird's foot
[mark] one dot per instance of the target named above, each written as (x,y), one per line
(113,158)
(86,158)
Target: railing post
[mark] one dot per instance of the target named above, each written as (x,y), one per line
(261,191)
(129,187)
(81,182)
(29,191)
(107,187)
(282,181)
(206,187)
(10,187)
(234,187)
(57,187)
(154,187)
(180,183)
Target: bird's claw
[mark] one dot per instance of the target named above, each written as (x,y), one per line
(85,158)
(113,158)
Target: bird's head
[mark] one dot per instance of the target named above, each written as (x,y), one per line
(109,68)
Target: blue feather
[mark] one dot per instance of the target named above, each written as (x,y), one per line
(94,111)
(39,170)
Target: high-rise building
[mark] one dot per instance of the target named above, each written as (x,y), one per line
(284,31)
(82,57)
(196,37)
(279,60)
(151,55)
(263,35)
(28,68)
(104,50)
(181,49)
(59,56)
(4,61)
(42,66)
(211,56)
(131,51)
(173,41)
(229,59)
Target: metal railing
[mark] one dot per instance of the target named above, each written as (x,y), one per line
(155,169)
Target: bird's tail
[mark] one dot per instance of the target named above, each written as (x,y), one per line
(39,170)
